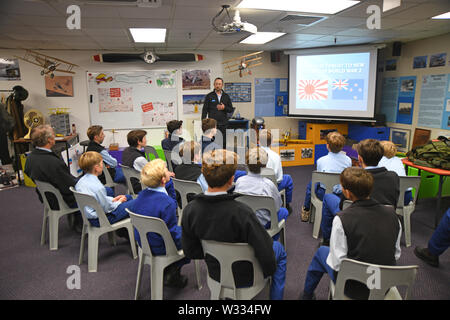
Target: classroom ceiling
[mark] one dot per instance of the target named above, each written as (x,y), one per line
(41,24)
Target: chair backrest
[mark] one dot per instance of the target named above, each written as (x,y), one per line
(45,187)
(129,173)
(229,253)
(270,174)
(348,203)
(328,179)
(86,200)
(380,278)
(150,150)
(145,224)
(185,187)
(108,179)
(167,154)
(405,183)
(261,202)
(85,144)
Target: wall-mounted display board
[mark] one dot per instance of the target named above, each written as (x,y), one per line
(271,97)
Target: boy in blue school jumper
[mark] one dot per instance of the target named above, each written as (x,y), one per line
(91,163)
(367,231)
(335,162)
(284,181)
(154,201)
(255,184)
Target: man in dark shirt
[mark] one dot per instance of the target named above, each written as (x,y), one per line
(218,106)
(216,215)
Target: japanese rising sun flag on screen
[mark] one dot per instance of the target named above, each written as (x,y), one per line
(313,89)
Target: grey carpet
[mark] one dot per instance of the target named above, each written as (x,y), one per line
(31,271)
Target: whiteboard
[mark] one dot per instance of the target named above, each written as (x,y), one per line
(132,99)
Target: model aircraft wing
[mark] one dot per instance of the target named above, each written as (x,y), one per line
(128,57)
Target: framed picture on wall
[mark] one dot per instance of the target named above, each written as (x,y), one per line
(400,137)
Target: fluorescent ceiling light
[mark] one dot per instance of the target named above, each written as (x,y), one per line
(390,4)
(148,34)
(442,16)
(315,6)
(262,37)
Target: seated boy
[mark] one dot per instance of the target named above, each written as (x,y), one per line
(155,202)
(134,157)
(191,167)
(209,128)
(393,163)
(386,184)
(274,162)
(216,215)
(255,184)
(96,136)
(174,138)
(91,163)
(335,161)
(366,231)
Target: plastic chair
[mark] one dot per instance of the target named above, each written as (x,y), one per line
(167,154)
(185,187)
(269,173)
(94,233)
(227,254)
(52,215)
(150,150)
(328,180)
(109,180)
(85,144)
(389,278)
(130,173)
(406,211)
(265,202)
(144,225)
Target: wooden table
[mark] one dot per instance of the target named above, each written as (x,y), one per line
(442,173)
(66,140)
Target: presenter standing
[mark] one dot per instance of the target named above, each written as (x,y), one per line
(218,106)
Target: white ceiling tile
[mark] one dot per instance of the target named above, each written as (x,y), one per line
(145,13)
(42,21)
(20,7)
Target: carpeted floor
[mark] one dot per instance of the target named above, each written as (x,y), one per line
(31,271)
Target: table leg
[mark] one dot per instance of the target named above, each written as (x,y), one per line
(18,164)
(437,217)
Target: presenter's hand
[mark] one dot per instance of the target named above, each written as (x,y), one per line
(220,106)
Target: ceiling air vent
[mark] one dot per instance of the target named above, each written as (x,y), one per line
(302,20)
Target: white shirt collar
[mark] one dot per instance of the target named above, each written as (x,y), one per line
(214,193)
(45,149)
(158,189)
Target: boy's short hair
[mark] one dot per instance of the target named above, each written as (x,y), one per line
(335,141)
(134,136)
(390,149)
(208,124)
(358,181)
(93,131)
(256,159)
(153,172)
(189,148)
(218,167)
(173,125)
(89,160)
(41,134)
(265,138)
(370,151)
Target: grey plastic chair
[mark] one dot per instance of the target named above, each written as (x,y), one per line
(129,173)
(406,211)
(52,215)
(108,179)
(269,173)
(94,233)
(185,187)
(329,180)
(144,225)
(266,202)
(151,150)
(85,144)
(168,155)
(389,278)
(227,254)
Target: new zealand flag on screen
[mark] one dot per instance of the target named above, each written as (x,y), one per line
(348,89)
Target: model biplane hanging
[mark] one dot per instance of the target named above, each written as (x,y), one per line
(243,64)
(148,57)
(48,63)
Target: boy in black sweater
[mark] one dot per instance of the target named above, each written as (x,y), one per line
(386,185)
(366,231)
(216,215)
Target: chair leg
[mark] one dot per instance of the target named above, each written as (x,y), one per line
(407,227)
(139,275)
(317,220)
(83,237)
(44,226)
(112,238)
(197,274)
(53,228)
(92,252)
(284,238)
(156,283)
(132,241)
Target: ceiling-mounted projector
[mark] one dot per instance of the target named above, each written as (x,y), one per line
(235,25)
